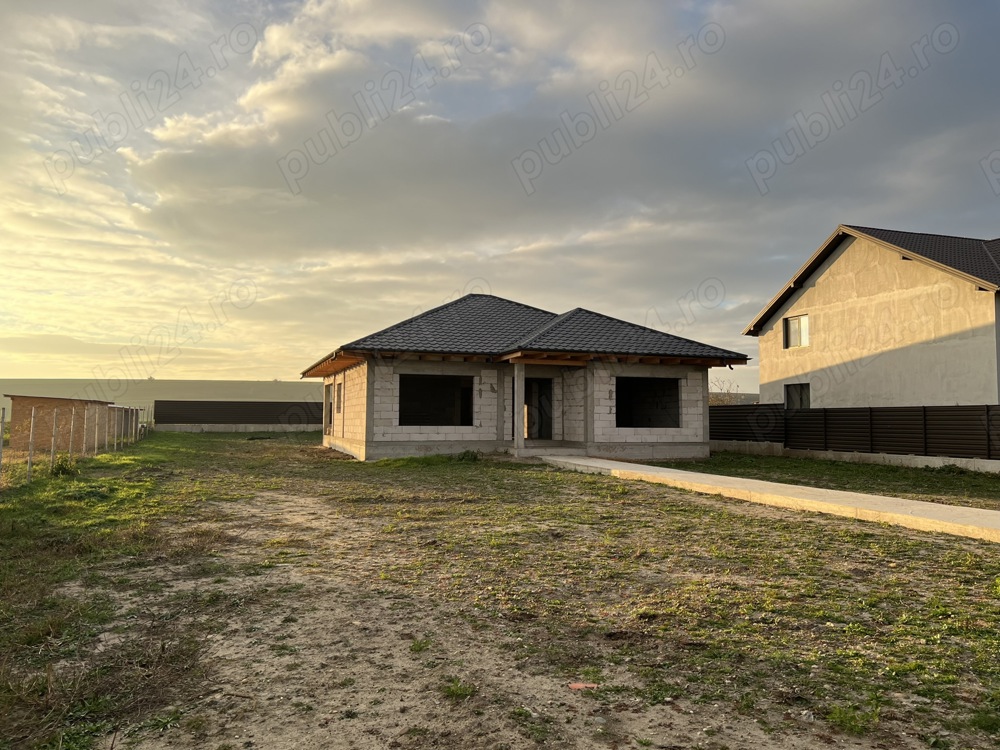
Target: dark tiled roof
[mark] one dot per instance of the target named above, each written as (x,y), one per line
(484,324)
(581,330)
(473,324)
(974,257)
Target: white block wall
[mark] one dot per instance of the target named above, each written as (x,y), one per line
(351,422)
(574,399)
(346,431)
(507,378)
(693,396)
(385,409)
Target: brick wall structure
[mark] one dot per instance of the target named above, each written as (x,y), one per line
(90,425)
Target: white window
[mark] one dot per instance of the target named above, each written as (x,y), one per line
(797,331)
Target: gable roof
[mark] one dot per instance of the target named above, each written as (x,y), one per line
(971,259)
(490,326)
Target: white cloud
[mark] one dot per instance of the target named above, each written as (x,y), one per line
(104,247)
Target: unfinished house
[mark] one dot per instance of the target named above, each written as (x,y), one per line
(488,374)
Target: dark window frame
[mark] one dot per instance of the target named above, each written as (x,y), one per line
(797,396)
(643,402)
(340,397)
(436,400)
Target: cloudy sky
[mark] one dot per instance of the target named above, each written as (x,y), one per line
(232,189)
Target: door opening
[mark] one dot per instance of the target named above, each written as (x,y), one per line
(538,408)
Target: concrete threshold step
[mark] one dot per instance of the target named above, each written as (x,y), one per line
(914,514)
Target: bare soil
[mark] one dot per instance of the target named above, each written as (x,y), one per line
(335,654)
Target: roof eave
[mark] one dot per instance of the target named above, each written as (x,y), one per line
(806,270)
(558,357)
(332,363)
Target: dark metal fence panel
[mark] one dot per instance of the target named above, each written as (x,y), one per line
(993,426)
(849,430)
(805,429)
(238,412)
(753,422)
(898,429)
(958,431)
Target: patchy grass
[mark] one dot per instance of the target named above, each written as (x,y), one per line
(950,485)
(65,541)
(655,594)
(457,691)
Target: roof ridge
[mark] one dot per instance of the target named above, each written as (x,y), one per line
(546,326)
(425,313)
(989,254)
(907,231)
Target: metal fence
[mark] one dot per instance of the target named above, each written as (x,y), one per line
(285,413)
(63,436)
(952,431)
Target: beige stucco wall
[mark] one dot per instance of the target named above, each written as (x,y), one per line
(885,332)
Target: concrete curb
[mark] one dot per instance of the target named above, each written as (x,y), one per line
(913,514)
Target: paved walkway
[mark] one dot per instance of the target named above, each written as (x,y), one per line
(948,519)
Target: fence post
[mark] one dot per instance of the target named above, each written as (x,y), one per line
(72,428)
(923,412)
(83,450)
(871,432)
(986,424)
(31,441)
(3,420)
(55,436)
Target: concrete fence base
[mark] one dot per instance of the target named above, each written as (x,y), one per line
(887,459)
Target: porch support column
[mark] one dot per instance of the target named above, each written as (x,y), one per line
(326,406)
(589,404)
(517,408)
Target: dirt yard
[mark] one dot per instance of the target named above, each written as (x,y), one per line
(349,660)
(210,591)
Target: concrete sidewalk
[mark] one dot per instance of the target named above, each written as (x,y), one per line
(913,514)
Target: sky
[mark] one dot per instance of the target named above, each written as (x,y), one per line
(233,189)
